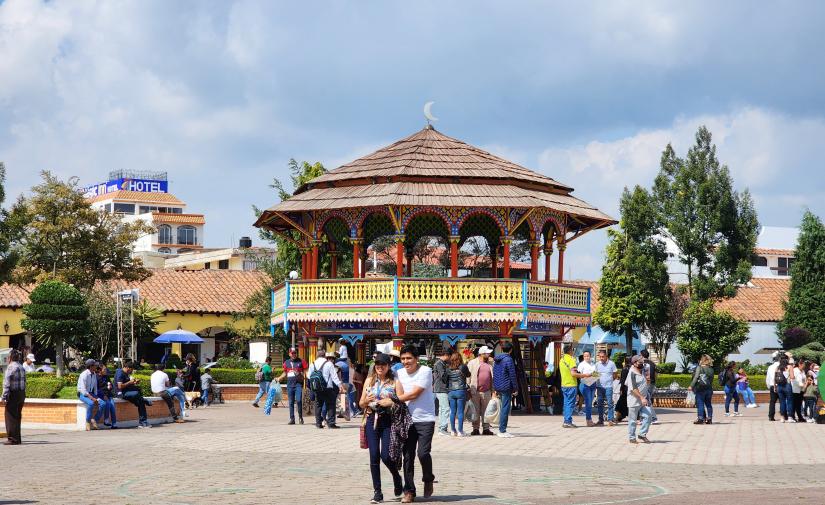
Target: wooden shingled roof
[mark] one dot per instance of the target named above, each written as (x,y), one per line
(430,168)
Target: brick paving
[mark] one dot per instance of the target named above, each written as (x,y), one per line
(232,453)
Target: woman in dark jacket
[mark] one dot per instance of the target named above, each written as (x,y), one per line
(731,393)
(106,392)
(456,377)
(621,405)
(193,373)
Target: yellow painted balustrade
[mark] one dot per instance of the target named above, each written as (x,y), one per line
(553,295)
(352,292)
(459,292)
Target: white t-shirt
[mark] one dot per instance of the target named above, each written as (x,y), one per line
(422,408)
(587,368)
(606,372)
(798,382)
(342,352)
(158,380)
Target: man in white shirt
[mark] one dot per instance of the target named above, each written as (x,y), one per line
(87,393)
(162,387)
(770,381)
(28,365)
(46,367)
(325,400)
(604,389)
(416,389)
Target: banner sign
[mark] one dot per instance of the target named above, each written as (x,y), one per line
(139,185)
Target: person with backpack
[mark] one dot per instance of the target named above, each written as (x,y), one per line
(325,384)
(702,387)
(782,380)
(650,375)
(264,377)
(728,378)
(457,374)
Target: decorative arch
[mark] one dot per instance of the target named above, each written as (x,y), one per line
(409,213)
(345,215)
(542,216)
(361,216)
(497,214)
(336,228)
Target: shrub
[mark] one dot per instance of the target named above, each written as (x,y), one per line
(666,368)
(67,393)
(174,361)
(233,362)
(238,375)
(806,353)
(757,382)
(618,359)
(796,337)
(815,346)
(43,387)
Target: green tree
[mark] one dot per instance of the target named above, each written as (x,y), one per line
(633,290)
(102,338)
(65,238)
(805,307)
(663,333)
(8,256)
(706,330)
(713,226)
(57,315)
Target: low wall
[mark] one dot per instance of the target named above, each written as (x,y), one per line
(238,392)
(53,414)
(718,397)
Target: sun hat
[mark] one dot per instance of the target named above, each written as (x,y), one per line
(396,353)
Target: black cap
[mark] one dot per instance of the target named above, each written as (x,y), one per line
(382,359)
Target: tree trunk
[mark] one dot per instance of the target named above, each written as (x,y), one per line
(59,358)
(628,340)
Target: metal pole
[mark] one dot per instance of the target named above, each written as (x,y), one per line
(132,326)
(119,328)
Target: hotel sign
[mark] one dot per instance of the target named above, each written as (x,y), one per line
(139,185)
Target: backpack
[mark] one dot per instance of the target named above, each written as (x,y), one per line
(703,380)
(317,383)
(779,378)
(259,375)
(723,377)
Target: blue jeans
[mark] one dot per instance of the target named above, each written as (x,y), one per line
(785,400)
(748,396)
(569,402)
(136,399)
(109,410)
(443,411)
(378,441)
(810,407)
(353,405)
(294,393)
(703,402)
(506,398)
(175,392)
(457,400)
(633,414)
(205,396)
(263,388)
(588,392)
(731,394)
(90,405)
(604,395)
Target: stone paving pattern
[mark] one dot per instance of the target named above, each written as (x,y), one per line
(232,453)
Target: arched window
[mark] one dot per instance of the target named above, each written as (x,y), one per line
(187,235)
(164,234)
(760,261)
(165,250)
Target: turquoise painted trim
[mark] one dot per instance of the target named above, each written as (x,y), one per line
(395,323)
(286,306)
(588,299)
(524,304)
(272,311)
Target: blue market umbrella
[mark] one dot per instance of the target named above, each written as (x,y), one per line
(178,337)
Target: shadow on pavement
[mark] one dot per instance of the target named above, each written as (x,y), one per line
(457,498)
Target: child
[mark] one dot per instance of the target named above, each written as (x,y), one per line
(206,386)
(745,390)
(809,395)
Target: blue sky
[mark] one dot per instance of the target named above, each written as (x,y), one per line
(222,94)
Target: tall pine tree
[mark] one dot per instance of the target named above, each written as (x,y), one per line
(713,225)
(633,290)
(805,307)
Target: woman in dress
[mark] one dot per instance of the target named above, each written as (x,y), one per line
(378,425)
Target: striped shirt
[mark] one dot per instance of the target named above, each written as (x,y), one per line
(15,378)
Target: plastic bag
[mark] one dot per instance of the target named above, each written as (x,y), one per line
(493,409)
(470,411)
(690,399)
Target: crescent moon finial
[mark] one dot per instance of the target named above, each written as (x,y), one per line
(428,113)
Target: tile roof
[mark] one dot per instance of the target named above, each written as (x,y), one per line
(13,296)
(137,196)
(760,301)
(790,253)
(165,217)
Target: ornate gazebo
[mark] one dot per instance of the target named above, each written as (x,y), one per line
(431,187)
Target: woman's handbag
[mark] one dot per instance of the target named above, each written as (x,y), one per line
(493,409)
(363,433)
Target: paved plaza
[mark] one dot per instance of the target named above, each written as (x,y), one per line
(232,453)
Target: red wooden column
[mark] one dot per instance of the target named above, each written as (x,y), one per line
(562,247)
(304,264)
(314,263)
(506,259)
(409,258)
(534,261)
(356,257)
(454,255)
(333,265)
(548,254)
(363,255)
(399,255)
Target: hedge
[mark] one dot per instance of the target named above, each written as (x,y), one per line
(238,375)
(757,382)
(42,387)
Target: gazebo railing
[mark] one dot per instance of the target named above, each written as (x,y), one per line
(395,299)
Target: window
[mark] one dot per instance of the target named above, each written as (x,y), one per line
(784,266)
(207,265)
(165,250)
(187,235)
(250,265)
(164,234)
(124,208)
(108,208)
(163,210)
(760,261)
(223,264)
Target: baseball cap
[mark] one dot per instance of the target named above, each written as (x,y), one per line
(635,359)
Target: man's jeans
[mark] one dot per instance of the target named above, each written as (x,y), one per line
(294,396)
(604,395)
(166,397)
(704,403)
(263,388)
(653,416)
(443,411)
(176,392)
(420,436)
(569,402)
(90,405)
(135,398)
(506,398)
(587,393)
(325,404)
(633,414)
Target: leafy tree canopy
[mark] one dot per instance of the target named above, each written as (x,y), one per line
(805,307)
(713,226)
(708,331)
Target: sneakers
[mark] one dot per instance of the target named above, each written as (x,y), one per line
(94,425)
(186,413)
(737,414)
(792,420)
(300,420)
(569,425)
(633,441)
(727,414)
(377,497)
(333,427)
(699,421)
(708,421)
(644,440)
(810,421)
(291,421)
(504,434)
(590,424)
(443,433)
